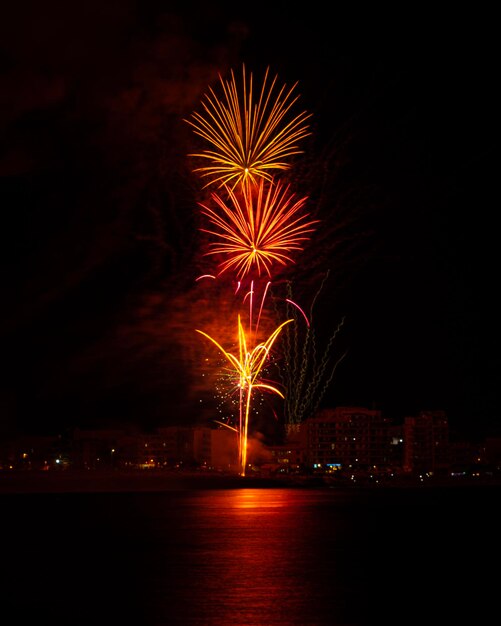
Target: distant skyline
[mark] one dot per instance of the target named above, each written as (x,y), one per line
(101,240)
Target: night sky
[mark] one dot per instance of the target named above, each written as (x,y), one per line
(101,240)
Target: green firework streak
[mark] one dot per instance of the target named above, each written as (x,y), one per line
(307,369)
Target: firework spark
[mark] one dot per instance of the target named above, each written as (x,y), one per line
(248,366)
(249,138)
(257,228)
(308,373)
(255,222)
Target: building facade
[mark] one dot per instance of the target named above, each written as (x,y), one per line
(347,438)
(426,443)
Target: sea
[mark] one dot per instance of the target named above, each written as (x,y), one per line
(317,556)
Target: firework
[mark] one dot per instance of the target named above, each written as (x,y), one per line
(308,371)
(248,366)
(256,225)
(257,228)
(249,138)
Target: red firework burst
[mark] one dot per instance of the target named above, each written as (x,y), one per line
(257,228)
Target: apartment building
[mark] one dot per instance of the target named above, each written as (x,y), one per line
(348,438)
(426,443)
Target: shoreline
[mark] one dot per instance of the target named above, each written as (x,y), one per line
(102,481)
(121,481)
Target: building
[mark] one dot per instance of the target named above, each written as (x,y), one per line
(354,442)
(347,438)
(99,449)
(426,443)
(188,446)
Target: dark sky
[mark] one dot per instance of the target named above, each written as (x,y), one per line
(101,245)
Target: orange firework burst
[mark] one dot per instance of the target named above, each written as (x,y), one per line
(249,138)
(248,365)
(257,228)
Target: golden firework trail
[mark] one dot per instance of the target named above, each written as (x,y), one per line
(250,133)
(249,137)
(257,228)
(248,365)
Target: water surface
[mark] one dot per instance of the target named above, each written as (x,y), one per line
(251,557)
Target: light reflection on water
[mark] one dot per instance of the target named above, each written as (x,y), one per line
(247,557)
(257,559)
